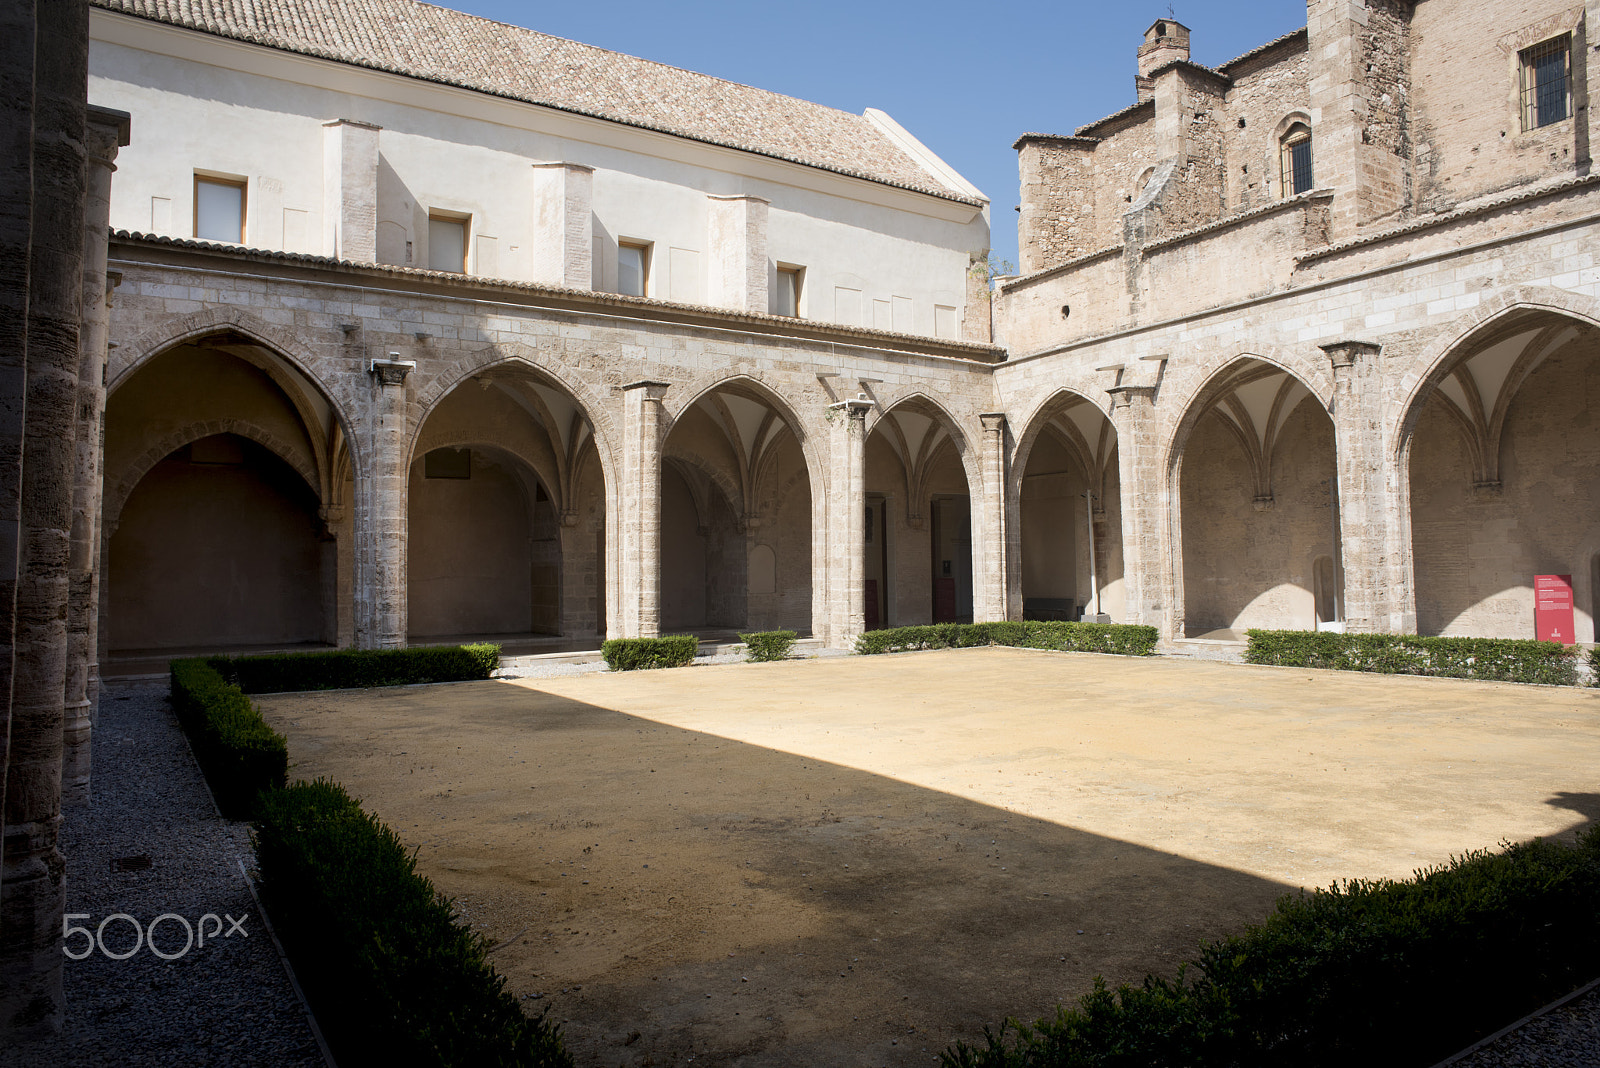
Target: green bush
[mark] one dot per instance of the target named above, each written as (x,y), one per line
(392,975)
(1594,666)
(1502,659)
(633,654)
(238,753)
(349,669)
(768,645)
(1379,973)
(1127,639)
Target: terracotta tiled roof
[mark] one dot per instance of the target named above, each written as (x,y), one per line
(436,44)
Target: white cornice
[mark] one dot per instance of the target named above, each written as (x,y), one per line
(180,43)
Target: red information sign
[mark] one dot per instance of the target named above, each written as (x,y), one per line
(1552,609)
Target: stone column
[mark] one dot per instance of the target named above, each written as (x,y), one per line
(380,521)
(638,521)
(350,190)
(1374,565)
(107,131)
(44,60)
(563,225)
(989,601)
(847,522)
(737,239)
(1145,510)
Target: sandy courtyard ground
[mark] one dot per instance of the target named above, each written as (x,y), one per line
(855,861)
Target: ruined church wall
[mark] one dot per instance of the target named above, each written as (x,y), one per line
(1466,124)
(1262,97)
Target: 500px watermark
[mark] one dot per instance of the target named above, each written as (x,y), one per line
(146,936)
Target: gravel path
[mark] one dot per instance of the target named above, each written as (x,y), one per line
(228,1003)
(1567,1037)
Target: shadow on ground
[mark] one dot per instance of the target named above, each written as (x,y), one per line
(676,895)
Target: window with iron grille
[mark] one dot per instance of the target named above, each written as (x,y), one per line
(1297,160)
(1545,83)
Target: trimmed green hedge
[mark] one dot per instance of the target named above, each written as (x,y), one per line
(768,645)
(238,753)
(1374,973)
(349,669)
(393,976)
(633,654)
(1501,659)
(1127,639)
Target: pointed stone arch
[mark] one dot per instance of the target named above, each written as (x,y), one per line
(1445,352)
(121,486)
(1258,581)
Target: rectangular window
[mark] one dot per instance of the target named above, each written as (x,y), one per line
(1545,81)
(219,209)
(447,242)
(633,268)
(1299,153)
(786,295)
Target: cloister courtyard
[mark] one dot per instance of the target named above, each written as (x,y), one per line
(859,860)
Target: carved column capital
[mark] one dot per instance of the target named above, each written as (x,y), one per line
(391,372)
(855,409)
(649,391)
(1123,396)
(1344,354)
(993,422)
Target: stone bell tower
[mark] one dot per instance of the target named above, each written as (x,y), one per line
(1166,40)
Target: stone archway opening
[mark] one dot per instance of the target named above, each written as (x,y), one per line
(220,547)
(1069,499)
(224,517)
(505,514)
(735,516)
(1505,475)
(1258,507)
(920,520)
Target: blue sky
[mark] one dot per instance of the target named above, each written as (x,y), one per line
(964,78)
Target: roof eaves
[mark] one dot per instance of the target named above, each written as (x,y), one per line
(1195,68)
(1276,42)
(1060,139)
(1126,113)
(966,350)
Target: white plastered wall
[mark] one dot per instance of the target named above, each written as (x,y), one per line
(207,104)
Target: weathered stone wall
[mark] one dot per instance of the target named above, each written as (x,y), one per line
(1477,551)
(1466,113)
(1057,220)
(1264,94)
(1238,259)
(1415,295)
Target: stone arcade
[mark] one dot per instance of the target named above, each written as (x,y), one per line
(467,330)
